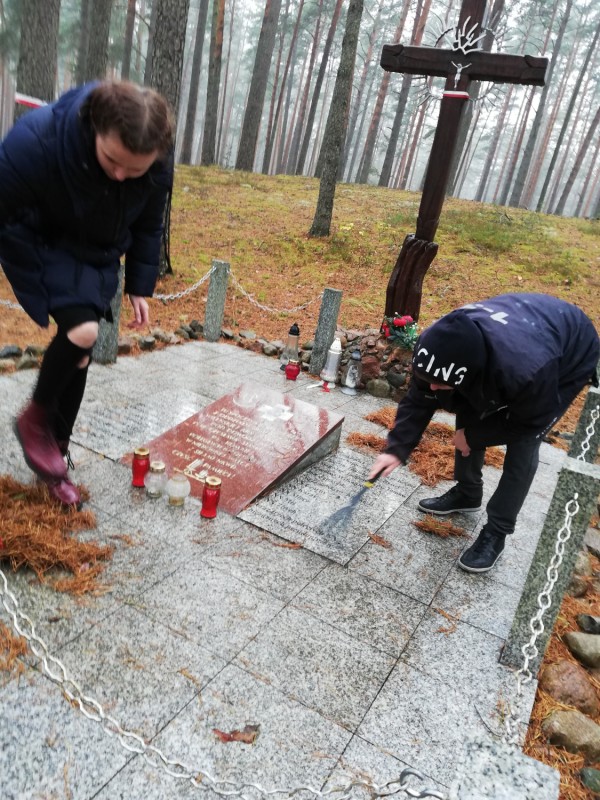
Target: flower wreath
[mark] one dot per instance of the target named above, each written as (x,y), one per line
(400,330)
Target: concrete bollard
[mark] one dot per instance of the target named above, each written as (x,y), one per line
(215,303)
(326,327)
(107,344)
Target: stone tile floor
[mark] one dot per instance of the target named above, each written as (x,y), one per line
(355,660)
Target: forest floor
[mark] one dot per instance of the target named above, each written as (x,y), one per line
(259,225)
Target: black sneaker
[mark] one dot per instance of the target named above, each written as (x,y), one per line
(453,500)
(483,553)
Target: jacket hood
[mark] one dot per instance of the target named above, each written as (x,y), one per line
(452,351)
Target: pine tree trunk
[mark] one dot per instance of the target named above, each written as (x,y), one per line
(335,130)
(211,114)
(583,148)
(421,15)
(84,38)
(515,197)
(128,46)
(36,69)
(492,147)
(258,86)
(566,119)
(317,90)
(190,119)
(167,49)
(97,57)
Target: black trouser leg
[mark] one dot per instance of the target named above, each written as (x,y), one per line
(468,473)
(520,465)
(57,370)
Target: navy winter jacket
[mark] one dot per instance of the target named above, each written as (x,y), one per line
(514,362)
(64,224)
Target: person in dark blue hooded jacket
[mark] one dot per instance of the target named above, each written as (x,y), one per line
(509,367)
(83,181)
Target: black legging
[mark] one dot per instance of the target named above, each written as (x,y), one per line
(61,382)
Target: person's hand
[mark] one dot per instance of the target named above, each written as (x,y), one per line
(460,442)
(140,310)
(384,463)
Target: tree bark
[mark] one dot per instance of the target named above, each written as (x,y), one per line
(211,114)
(317,90)
(258,86)
(38,48)
(190,119)
(335,130)
(583,148)
(97,57)
(167,49)
(84,38)
(128,46)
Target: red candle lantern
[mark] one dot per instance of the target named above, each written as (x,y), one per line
(292,370)
(140,466)
(210,497)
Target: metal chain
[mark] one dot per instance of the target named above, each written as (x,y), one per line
(270,309)
(585,445)
(10,304)
(167,297)
(91,708)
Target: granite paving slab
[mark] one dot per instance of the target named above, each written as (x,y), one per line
(264,560)
(416,564)
(295,745)
(317,664)
(47,749)
(209,606)
(142,671)
(420,720)
(479,600)
(328,487)
(362,608)
(362,761)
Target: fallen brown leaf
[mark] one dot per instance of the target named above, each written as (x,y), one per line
(380,541)
(248,735)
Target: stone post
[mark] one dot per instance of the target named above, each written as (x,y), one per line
(326,327)
(576,478)
(495,769)
(107,344)
(215,303)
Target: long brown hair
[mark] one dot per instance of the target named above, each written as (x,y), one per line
(140,116)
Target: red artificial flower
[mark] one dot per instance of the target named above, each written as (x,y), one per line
(386,329)
(399,322)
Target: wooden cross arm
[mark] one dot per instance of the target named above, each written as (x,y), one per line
(483,66)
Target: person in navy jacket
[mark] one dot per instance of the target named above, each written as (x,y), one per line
(83,181)
(509,367)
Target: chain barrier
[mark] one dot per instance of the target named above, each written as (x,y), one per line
(589,432)
(91,708)
(536,626)
(270,309)
(168,297)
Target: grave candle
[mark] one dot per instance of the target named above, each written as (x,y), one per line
(330,370)
(140,466)
(156,479)
(178,488)
(290,351)
(292,370)
(210,497)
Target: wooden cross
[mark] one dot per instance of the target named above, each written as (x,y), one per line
(461,65)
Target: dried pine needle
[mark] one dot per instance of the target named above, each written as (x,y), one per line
(367,441)
(440,527)
(11,647)
(383,416)
(35,532)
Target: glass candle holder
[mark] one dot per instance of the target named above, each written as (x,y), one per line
(352,374)
(210,497)
(140,466)
(292,370)
(329,372)
(178,488)
(290,351)
(156,479)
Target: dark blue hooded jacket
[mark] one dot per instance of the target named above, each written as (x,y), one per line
(64,224)
(514,362)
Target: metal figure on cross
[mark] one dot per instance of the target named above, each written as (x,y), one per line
(404,289)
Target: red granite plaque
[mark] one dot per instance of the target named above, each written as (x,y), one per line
(252,439)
